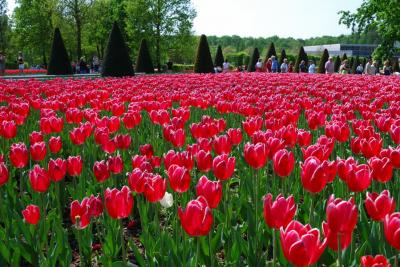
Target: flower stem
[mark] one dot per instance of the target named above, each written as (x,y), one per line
(197,250)
(274,247)
(210,250)
(339,251)
(121,228)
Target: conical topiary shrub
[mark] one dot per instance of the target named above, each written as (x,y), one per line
(323,60)
(356,62)
(301,56)
(59,61)
(117,62)
(219,57)
(203,63)
(283,56)
(338,62)
(396,67)
(344,57)
(143,62)
(253,61)
(350,64)
(271,51)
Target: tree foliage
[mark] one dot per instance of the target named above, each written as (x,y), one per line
(271,51)
(144,62)
(324,59)
(253,61)
(117,62)
(219,57)
(380,16)
(59,61)
(338,62)
(302,55)
(203,63)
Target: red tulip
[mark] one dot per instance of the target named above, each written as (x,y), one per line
(341,215)
(314,174)
(210,190)
(301,244)
(377,261)
(256,155)
(379,205)
(55,144)
(304,138)
(101,171)
(115,164)
(392,229)
(79,213)
(74,165)
(382,169)
(395,133)
(279,213)
(274,145)
(371,147)
(118,203)
(35,137)
(235,136)
(131,119)
(222,145)
(8,129)
(39,179)
(123,141)
(137,179)
(333,238)
(359,178)
(19,155)
(77,136)
(203,160)
(57,169)
(4,174)
(95,206)
(179,178)
(251,125)
(109,146)
(395,157)
(154,188)
(283,163)
(31,214)
(38,151)
(197,218)
(223,167)
(146,150)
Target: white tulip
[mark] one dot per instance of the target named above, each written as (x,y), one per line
(167,201)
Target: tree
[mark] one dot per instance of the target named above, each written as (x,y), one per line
(78,11)
(143,62)
(396,67)
(338,62)
(300,57)
(350,64)
(117,62)
(59,61)
(283,56)
(3,25)
(344,57)
(203,63)
(253,61)
(356,62)
(219,57)
(158,21)
(33,22)
(380,16)
(323,60)
(271,51)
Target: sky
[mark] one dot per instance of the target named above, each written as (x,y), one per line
(264,18)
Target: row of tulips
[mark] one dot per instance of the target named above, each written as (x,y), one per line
(237,169)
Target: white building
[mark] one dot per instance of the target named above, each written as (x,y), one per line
(362,50)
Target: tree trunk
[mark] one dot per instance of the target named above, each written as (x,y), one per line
(98,50)
(44,59)
(158,52)
(78,38)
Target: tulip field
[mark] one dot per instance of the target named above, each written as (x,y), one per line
(236,169)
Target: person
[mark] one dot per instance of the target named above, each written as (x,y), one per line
(259,65)
(226,66)
(312,68)
(359,69)
(369,67)
(387,69)
(96,63)
(302,67)
(284,66)
(2,64)
(376,70)
(330,66)
(20,62)
(274,64)
(291,67)
(83,66)
(268,65)
(344,69)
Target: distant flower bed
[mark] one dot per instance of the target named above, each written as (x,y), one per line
(26,71)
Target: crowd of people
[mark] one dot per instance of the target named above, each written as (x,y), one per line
(272,65)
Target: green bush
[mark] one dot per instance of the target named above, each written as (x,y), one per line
(301,56)
(182,68)
(338,62)
(117,62)
(323,60)
(238,59)
(59,63)
(251,67)
(203,63)
(219,57)
(144,62)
